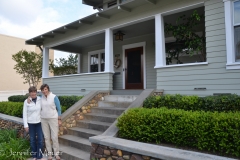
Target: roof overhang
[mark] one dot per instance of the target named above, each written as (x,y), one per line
(89,20)
(93,3)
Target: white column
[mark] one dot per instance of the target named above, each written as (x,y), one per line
(229,31)
(109,50)
(160,53)
(79,63)
(45,66)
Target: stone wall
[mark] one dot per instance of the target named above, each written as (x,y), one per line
(79,115)
(100,152)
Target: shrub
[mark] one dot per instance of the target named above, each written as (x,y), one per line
(17,98)
(12,147)
(16,108)
(210,103)
(209,131)
(68,101)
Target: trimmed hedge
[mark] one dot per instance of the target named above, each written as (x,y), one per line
(210,103)
(67,101)
(209,131)
(16,108)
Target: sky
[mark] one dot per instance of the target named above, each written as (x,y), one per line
(30,18)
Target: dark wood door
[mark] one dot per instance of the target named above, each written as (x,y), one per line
(134,68)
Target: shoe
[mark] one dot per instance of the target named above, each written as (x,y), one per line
(49,157)
(57,158)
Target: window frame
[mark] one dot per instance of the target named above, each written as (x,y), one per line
(99,52)
(235,25)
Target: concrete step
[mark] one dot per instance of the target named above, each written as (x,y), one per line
(83,132)
(101,117)
(70,153)
(126,92)
(113,104)
(75,142)
(95,125)
(108,110)
(120,98)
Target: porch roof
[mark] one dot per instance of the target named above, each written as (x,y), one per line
(89,20)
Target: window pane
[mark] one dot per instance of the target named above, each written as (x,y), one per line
(237,41)
(94,63)
(237,12)
(102,62)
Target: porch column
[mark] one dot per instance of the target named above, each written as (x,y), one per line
(109,50)
(160,53)
(79,63)
(45,66)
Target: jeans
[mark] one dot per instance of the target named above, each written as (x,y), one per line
(36,140)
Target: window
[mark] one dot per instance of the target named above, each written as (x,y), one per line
(236,23)
(96,61)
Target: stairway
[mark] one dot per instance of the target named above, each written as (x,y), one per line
(75,145)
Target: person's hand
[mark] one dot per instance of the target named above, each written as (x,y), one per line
(59,122)
(28,100)
(26,129)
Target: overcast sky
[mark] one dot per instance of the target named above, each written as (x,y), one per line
(30,18)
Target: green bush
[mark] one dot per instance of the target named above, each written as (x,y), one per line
(17,98)
(68,101)
(12,147)
(217,132)
(210,103)
(16,108)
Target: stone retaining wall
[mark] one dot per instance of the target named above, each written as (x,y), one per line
(79,115)
(100,152)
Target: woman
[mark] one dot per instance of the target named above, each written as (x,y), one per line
(32,123)
(51,120)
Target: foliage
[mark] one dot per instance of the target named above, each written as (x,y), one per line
(208,131)
(65,66)
(17,98)
(187,40)
(210,103)
(68,101)
(16,108)
(12,147)
(29,65)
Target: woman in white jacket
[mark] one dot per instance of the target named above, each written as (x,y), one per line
(32,123)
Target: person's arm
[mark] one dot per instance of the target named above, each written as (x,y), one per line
(58,106)
(25,115)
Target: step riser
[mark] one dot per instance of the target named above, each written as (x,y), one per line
(66,156)
(80,134)
(77,145)
(99,118)
(92,126)
(120,98)
(113,104)
(107,111)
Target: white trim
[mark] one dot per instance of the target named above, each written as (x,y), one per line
(45,65)
(135,45)
(79,63)
(182,65)
(82,74)
(233,66)
(99,63)
(229,25)
(108,51)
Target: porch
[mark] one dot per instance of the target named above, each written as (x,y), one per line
(107,64)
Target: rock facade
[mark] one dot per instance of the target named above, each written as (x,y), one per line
(79,115)
(7,124)
(100,152)
(157,93)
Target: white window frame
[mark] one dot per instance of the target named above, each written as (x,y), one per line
(99,55)
(229,26)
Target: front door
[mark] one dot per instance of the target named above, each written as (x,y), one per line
(134,68)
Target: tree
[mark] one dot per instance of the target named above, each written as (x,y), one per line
(187,40)
(65,66)
(29,65)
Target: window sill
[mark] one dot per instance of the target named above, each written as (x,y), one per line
(235,65)
(182,65)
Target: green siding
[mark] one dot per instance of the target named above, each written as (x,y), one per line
(214,76)
(72,85)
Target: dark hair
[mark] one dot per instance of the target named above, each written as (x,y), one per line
(32,89)
(43,86)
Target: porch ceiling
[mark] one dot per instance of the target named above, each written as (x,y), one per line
(130,4)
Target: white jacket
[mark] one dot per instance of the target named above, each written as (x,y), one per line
(31,112)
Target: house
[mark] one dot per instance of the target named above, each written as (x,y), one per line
(11,83)
(139,60)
